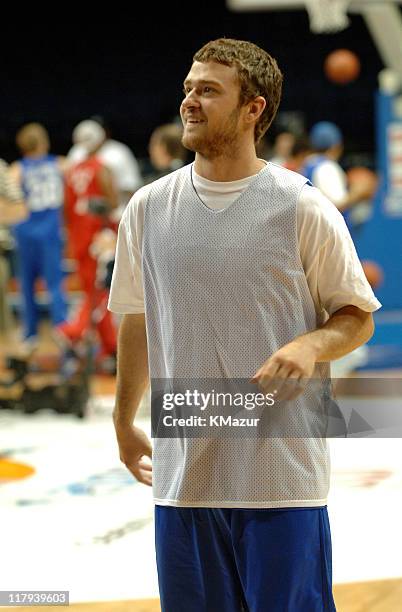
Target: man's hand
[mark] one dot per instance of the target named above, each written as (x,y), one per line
(287,371)
(360,191)
(134,446)
(132,382)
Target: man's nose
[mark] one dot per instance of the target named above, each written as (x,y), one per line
(191,100)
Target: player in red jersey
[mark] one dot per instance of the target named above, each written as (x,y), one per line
(90,197)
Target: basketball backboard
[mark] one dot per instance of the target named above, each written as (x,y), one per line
(250,5)
(383,19)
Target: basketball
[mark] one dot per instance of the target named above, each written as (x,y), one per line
(363,176)
(342,66)
(373,272)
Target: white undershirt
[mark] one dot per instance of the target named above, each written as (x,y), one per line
(331,180)
(333,271)
(119,159)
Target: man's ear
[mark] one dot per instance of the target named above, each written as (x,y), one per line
(255,108)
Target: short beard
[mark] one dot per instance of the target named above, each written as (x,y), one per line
(223,142)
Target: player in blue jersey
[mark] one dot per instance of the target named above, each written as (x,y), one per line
(39,237)
(324,172)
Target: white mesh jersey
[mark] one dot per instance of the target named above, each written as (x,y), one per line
(223,290)
(220,298)
(333,271)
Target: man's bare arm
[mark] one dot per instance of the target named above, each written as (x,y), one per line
(344,331)
(132,382)
(107,182)
(358,192)
(12,212)
(12,209)
(63,163)
(15,172)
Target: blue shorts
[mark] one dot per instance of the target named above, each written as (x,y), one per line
(233,560)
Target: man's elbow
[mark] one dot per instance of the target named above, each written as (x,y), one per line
(368,327)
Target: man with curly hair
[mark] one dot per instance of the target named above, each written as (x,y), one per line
(233,268)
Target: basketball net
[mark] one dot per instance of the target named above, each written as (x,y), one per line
(327,16)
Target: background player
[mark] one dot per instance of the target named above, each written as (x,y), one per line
(166,151)
(39,237)
(12,210)
(114,154)
(324,171)
(91,196)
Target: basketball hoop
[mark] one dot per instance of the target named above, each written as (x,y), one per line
(327,16)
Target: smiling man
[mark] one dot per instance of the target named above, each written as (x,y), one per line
(234,268)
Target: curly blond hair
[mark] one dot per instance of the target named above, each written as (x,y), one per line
(258,73)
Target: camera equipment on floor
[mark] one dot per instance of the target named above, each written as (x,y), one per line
(62,386)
